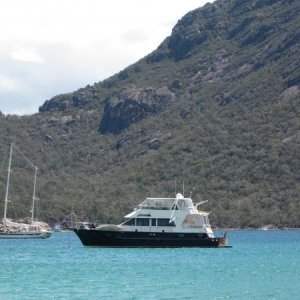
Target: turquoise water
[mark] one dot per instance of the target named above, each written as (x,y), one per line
(261,265)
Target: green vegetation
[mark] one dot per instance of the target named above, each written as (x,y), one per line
(231,133)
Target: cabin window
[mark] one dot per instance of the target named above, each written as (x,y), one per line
(142,222)
(165,222)
(153,222)
(130,222)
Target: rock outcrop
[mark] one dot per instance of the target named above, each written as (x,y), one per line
(132,105)
(62,103)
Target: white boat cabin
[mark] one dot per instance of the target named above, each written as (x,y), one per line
(168,215)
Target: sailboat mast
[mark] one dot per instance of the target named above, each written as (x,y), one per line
(33,196)
(7,186)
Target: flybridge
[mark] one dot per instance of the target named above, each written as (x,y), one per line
(178,203)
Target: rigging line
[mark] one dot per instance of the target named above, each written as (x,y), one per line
(24,156)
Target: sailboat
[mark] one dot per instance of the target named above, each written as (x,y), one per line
(20,230)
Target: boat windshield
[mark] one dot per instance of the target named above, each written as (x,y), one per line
(155,203)
(189,203)
(166,204)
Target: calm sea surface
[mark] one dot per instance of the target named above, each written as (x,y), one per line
(261,265)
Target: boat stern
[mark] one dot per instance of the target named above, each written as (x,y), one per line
(223,241)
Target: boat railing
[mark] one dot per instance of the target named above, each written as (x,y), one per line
(185,225)
(154,207)
(192,226)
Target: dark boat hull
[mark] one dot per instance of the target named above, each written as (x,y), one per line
(100,238)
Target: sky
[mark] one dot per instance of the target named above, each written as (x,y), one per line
(50,47)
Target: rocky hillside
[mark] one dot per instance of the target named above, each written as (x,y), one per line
(216,105)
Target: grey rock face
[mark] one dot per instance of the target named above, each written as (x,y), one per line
(57,103)
(62,103)
(132,105)
(193,30)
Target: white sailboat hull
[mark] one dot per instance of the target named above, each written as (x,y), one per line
(25,235)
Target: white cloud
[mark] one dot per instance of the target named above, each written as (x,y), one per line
(26,54)
(56,46)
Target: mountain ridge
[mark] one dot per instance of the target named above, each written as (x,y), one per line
(215,105)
